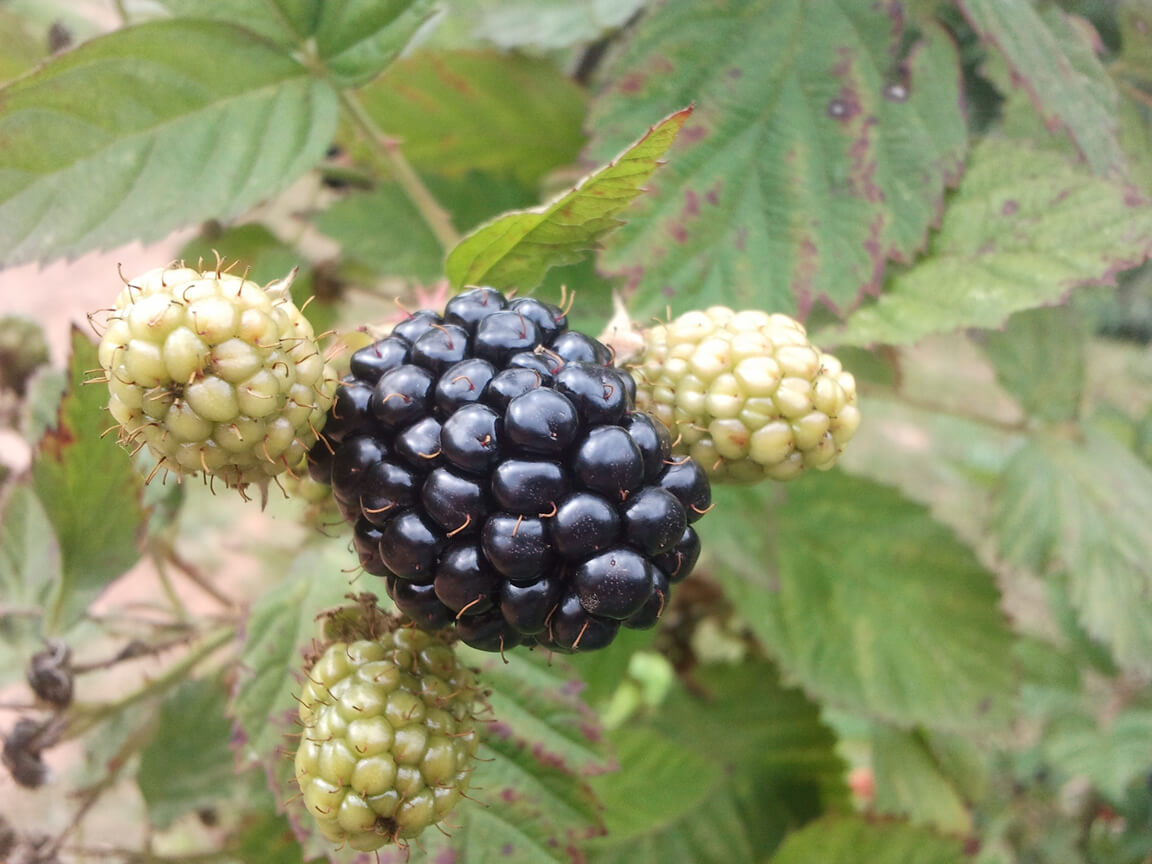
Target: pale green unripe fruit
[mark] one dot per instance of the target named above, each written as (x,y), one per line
(746,394)
(389,737)
(215,374)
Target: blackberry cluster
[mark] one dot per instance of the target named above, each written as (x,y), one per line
(499,478)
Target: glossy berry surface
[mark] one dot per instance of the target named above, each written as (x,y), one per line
(502,482)
(614,584)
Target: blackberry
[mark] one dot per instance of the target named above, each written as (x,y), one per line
(747,394)
(501,480)
(216,374)
(389,737)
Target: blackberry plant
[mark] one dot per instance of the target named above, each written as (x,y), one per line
(662,255)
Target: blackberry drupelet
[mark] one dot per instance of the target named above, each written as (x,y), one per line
(501,480)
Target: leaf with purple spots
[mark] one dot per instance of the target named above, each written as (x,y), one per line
(1025,227)
(1052,56)
(819,150)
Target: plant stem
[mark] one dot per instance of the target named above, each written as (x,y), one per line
(133,650)
(178,607)
(92,715)
(388,149)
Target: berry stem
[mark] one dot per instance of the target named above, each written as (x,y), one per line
(388,148)
(88,716)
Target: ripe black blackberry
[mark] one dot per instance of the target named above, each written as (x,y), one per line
(499,478)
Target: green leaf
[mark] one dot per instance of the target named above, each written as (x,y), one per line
(46,387)
(1093,725)
(1132,72)
(536,706)
(29,575)
(281,624)
(1039,359)
(530,801)
(523,812)
(1024,228)
(517,249)
(150,128)
(602,672)
(18,49)
(927,435)
(96,513)
(383,230)
(690,788)
(358,39)
(866,600)
(847,840)
(1079,507)
(1052,56)
(551,25)
(285,22)
(672,803)
(909,782)
(782,741)
(268,839)
(819,150)
(454,113)
(188,764)
(1112,751)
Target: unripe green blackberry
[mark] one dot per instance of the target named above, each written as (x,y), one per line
(215,374)
(389,737)
(746,394)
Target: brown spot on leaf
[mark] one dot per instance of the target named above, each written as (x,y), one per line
(712,196)
(896,92)
(457,82)
(804,274)
(863,172)
(632,82)
(741,239)
(692,134)
(1009,207)
(839,109)
(56,441)
(679,233)
(691,204)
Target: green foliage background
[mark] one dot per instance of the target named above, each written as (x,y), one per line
(955,196)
